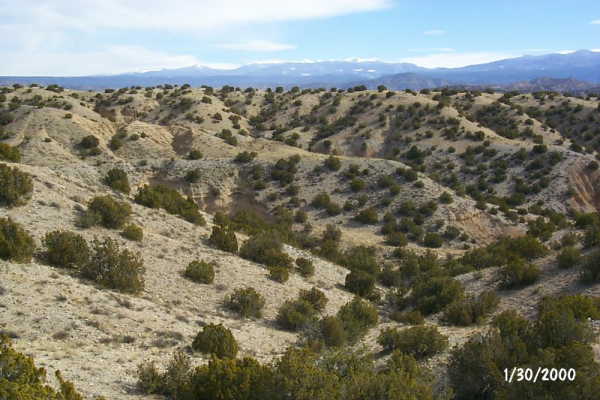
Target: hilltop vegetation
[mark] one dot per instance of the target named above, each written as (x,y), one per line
(383,244)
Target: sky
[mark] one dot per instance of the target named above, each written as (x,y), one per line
(85,37)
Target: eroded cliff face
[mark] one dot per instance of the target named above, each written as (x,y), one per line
(585,184)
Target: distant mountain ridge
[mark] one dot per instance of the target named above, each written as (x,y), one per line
(583,66)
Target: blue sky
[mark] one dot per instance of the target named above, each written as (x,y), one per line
(80,37)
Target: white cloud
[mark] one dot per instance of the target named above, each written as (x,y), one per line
(176,15)
(434,32)
(455,60)
(256,45)
(595,22)
(565,51)
(114,59)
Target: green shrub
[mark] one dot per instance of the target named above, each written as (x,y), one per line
(361,258)
(66,249)
(445,198)
(360,283)
(590,267)
(568,257)
(16,187)
(223,238)
(420,341)
(108,212)
(333,163)
(315,297)
(200,272)
(396,239)
(245,157)
(16,244)
(470,310)
(357,184)
(432,240)
(133,232)
(408,317)
(193,175)
(504,250)
(216,340)
(20,379)
(195,155)
(294,315)
(89,142)
(279,274)
(306,267)
(321,200)
(161,196)
(149,378)
(117,179)
(332,331)
(9,153)
(265,248)
(114,268)
(518,273)
(247,302)
(432,295)
(357,317)
(115,143)
(367,216)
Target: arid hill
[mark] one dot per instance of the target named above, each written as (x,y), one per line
(444,208)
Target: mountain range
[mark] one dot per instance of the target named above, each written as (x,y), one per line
(581,68)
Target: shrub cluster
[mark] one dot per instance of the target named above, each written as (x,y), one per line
(66,249)
(420,341)
(21,379)
(298,374)
(247,302)
(106,211)
(15,242)
(279,274)
(266,248)
(161,196)
(117,179)
(9,153)
(558,338)
(133,232)
(305,266)
(113,267)
(471,310)
(200,272)
(518,273)
(216,340)
(15,186)
(296,314)
(223,238)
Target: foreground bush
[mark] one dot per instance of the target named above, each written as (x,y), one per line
(315,297)
(161,196)
(66,249)
(20,379)
(223,238)
(419,341)
(9,153)
(332,331)
(267,249)
(299,375)
(106,211)
(216,340)
(133,232)
(117,179)
(559,338)
(200,272)
(114,268)
(16,244)
(247,302)
(360,283)
(15,186)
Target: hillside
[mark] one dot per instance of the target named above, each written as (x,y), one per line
(424,198)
